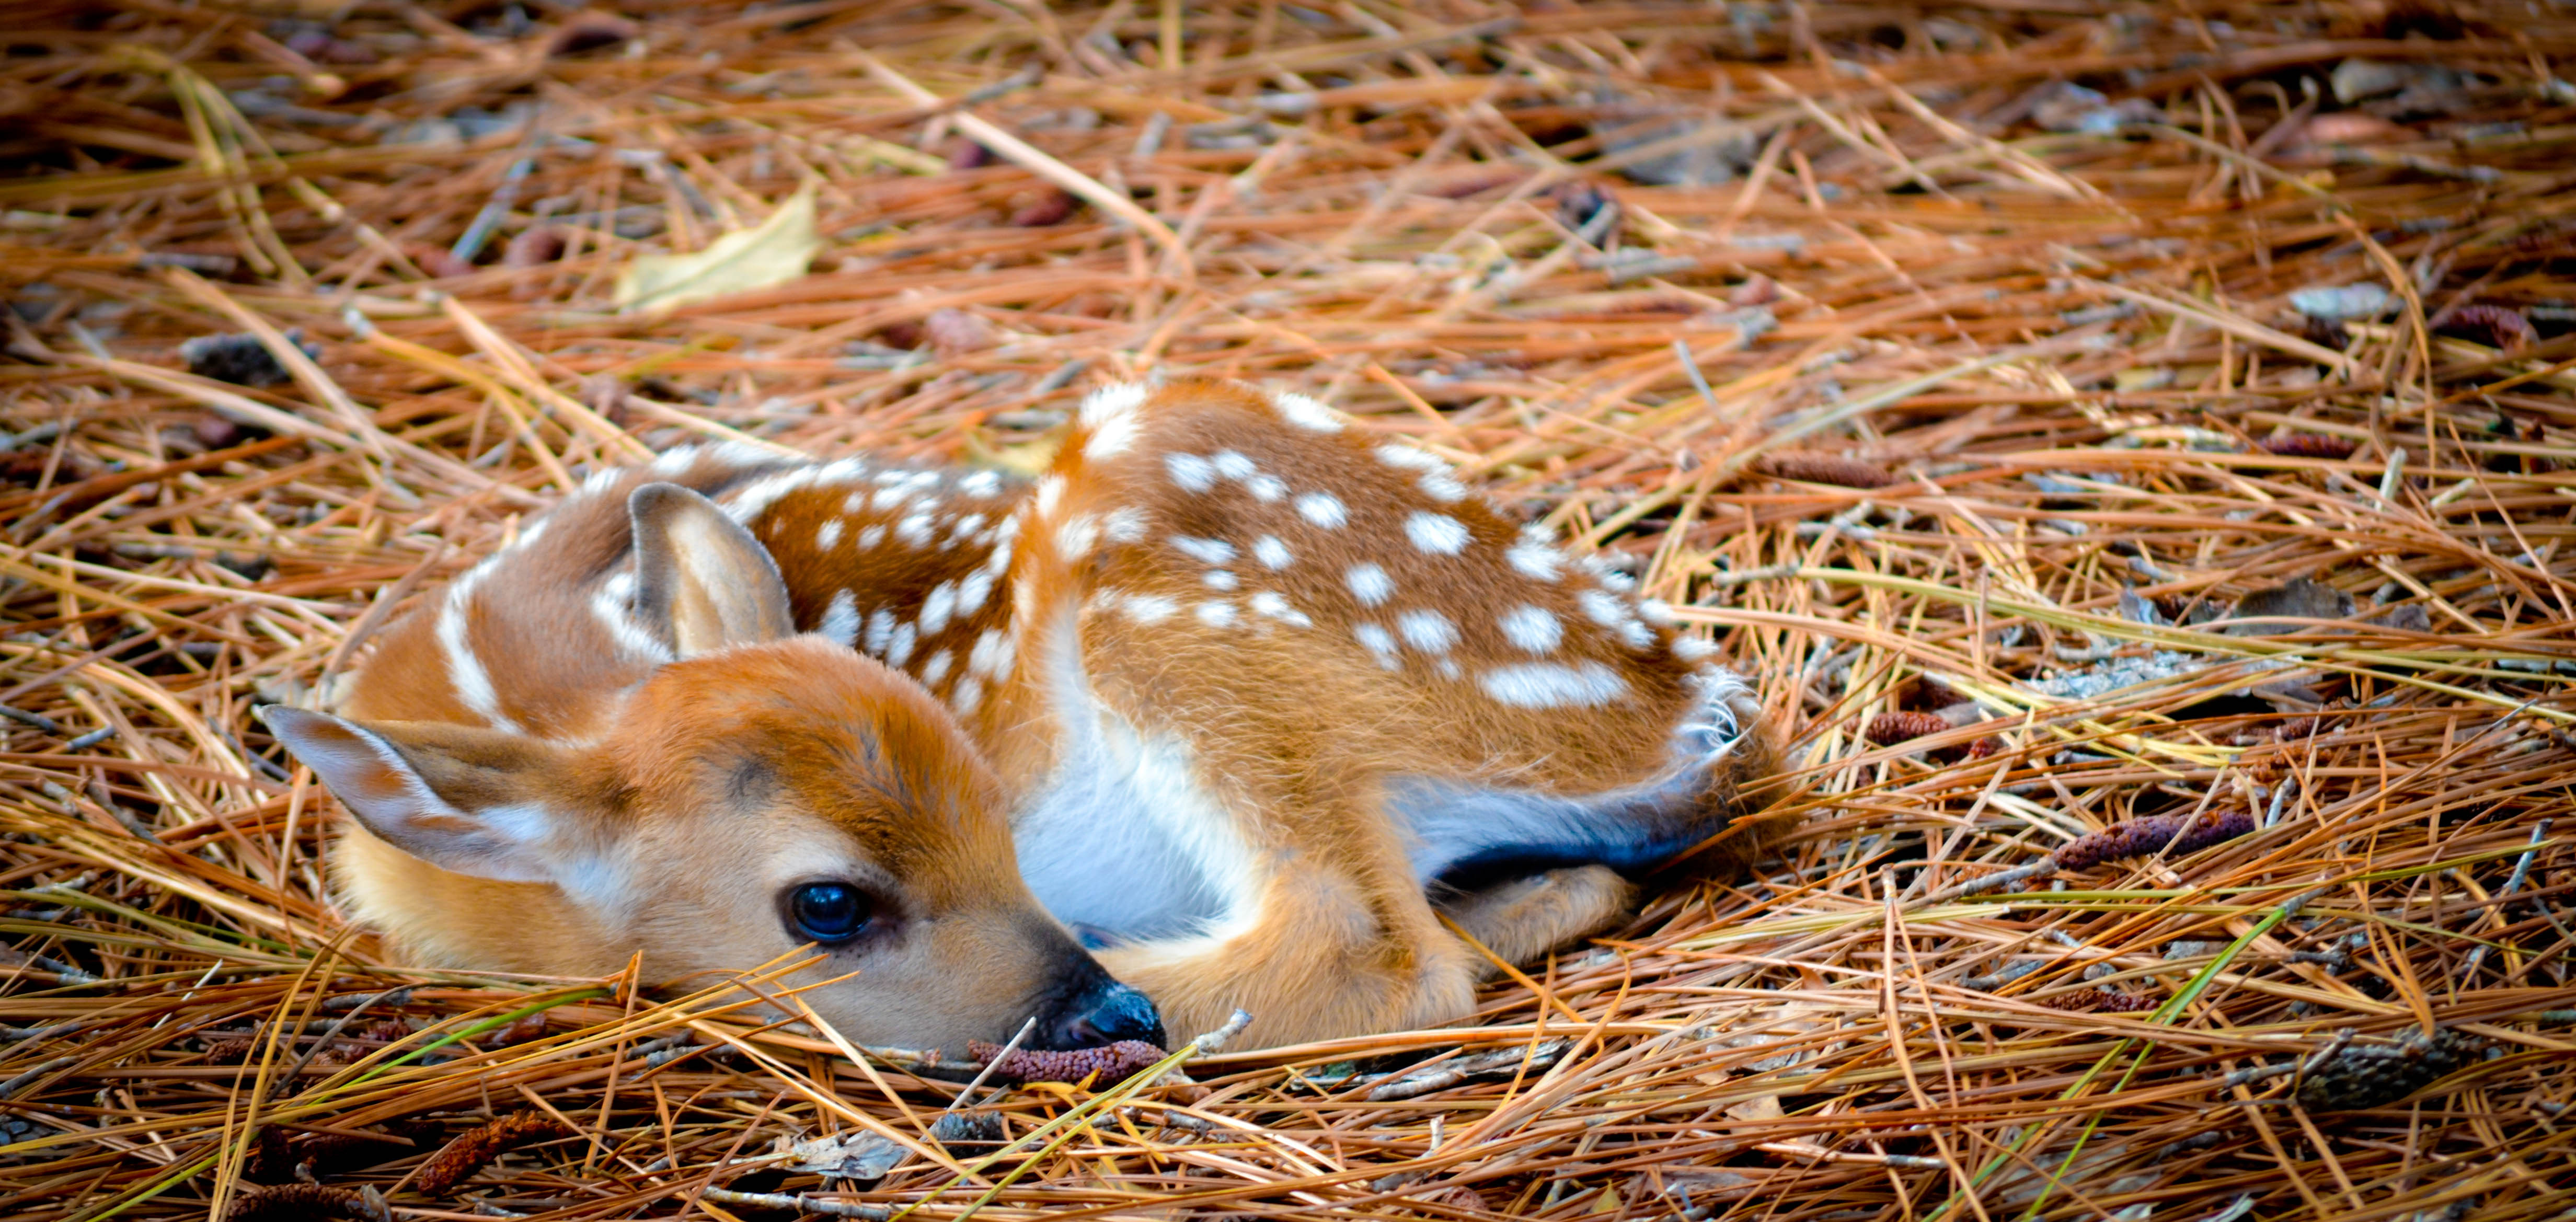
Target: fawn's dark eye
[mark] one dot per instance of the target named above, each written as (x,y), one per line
(829,913)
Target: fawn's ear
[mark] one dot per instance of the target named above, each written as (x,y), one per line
(460,798)
(701,581)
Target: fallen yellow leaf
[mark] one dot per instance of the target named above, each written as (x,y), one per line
(773,252)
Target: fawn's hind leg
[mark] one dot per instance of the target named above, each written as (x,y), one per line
(1524,918)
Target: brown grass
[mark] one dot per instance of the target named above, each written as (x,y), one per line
(2072,351)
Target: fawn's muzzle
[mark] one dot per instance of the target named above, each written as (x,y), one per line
(1093,1010)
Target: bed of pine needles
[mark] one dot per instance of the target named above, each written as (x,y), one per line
(1951,365)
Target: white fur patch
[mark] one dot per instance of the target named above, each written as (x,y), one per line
(963,697)
(614,607)
(1443,487)
(973,589)
(1191,472)
(872,536)
(1436,534)
(1265,488)
(885,500)
(1272,553)
(936,608)
(1233,465)
(465,672)
(899,645)
(1428,631)
(936,668)
(1124,525)
(1692,648)
(1536,561)
(1548,685)
(1398,454)
(1205,551)
(980,483)
(1369,584)
(1305,412)
(915,530)
(1378,641)
(1216,613)
(1270,604)
(1074,539)
(991,655)
(1050,492)
(1323,509)
(840,623)
(1109,414)
(1602,607)
(1150,608)
(828,535)
(880,633)
(756,499)
(1533,629)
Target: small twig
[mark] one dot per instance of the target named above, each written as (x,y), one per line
(798,1201)
(2512,883)
(991,1065)
(38,720)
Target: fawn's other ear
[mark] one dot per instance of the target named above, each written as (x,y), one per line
(460,798)
(701,581)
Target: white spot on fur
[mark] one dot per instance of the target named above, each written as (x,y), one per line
(1428,631)
(1218,579)
(841,620)
(1637,635)
(1448,668)
(1216,613)
(756,499)
(885,500)
(1272,553)
(1205,551)
(614,607)
(1269,603)
(899,645)
(1110,416)
(1151,608)
(1124,525)
(914,530)
(1436,534)
(1533,629)
(992,654)
(1323,509)
(936,668)
(967,692)
(1398,454)
(828,535)
(1369,584)
(1191,472)
(1548,685)
(1305,412)
(880,632)
(1656,611)
(973,589)
(1050,491)
(1536,561)
(1602,607)
(872,536)
(1265,488)
(936,608)
(980,483)
(1443,487)
(1073,539)
(1692,648)
(1232,465)
(1379,642)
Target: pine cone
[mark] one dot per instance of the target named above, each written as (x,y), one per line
(1889,729)
(297,1202)
(2310,445)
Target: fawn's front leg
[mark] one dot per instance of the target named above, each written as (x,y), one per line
(1329,952)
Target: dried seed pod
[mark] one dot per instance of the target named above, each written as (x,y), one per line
(1818,467)
(1889,729)
(590,31)
(954,331)
(1112,1063)
(968,1133)
(2178,834)
(2310,445)
(1984,747)
(240,358)
(2505,327)
(297,1202)
(535,246)
(2372,1075)
(475,1149)
(1052,208)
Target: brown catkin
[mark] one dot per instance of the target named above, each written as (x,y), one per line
(292,1202)
(2373,1075)
(2179,835)
(2310,445)
(1818,467)
(2098,1001)
(475,1149)
(2504,326)
(1889,729)
(1112,1063)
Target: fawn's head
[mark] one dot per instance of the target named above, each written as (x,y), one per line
(760,792)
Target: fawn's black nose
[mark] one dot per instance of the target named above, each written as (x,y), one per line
(1097,1010)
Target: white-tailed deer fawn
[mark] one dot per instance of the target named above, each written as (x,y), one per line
(1248,699)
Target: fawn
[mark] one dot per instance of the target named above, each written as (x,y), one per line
(1234,701)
